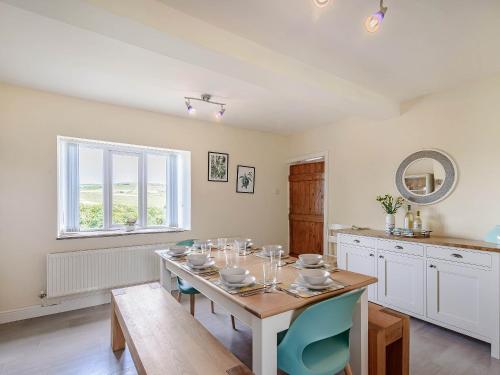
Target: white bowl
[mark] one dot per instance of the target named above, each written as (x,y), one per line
(178,249)
(315,277)
(197,259)
(310,259)
(234,275)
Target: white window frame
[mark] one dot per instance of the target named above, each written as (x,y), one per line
(178,181)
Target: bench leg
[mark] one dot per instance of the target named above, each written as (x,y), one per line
(377,352)
(191,304)
(117,338)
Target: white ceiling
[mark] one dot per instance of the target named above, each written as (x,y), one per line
(423,46)
(280,65)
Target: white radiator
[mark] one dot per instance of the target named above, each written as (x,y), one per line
(91,270)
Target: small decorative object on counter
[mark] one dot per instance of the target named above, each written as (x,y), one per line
(493,235)
(417,223)
(409,219)
(130,224)
(390,206)
(403,232)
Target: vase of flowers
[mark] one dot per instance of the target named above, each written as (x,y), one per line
(390,206)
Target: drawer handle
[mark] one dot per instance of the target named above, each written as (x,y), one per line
(357,241)
(432,266)
(381,256)
(398,247)
(456,256)
(372,255)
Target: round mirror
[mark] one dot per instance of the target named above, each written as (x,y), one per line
(426,177)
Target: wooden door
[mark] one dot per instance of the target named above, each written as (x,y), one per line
(306,184)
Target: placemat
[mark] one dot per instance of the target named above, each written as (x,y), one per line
(217,281)
(301,291)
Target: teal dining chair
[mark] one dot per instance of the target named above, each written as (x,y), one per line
(317,342)
(186,288)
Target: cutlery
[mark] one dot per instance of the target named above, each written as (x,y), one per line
(287,292)
(253,292)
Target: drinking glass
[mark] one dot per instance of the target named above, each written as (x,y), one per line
(206,247)
(243,245)
(270,272)
(274,252)
(231,254)
(221,243)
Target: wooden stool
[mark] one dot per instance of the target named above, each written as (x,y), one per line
(388,341)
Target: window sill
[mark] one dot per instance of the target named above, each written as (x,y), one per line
(115,233)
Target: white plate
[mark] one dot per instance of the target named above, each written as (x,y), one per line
(248,281)
(320,264)
(210,263)
(328,283)
(177,254)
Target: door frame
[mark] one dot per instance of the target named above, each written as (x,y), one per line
(311,158)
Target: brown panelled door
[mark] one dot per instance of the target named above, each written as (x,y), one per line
(306,184)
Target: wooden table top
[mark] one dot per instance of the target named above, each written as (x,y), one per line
(268,304)
(432,240)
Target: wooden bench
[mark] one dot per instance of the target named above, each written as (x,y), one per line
(163,338)
(388,341)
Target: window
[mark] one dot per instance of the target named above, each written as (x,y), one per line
(103,186)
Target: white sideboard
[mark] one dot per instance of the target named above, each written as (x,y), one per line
(454,287)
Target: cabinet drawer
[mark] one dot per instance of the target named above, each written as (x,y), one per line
(461,256)
(401,247)
(358,241)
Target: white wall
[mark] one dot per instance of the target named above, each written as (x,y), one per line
(364,156)
(29,123)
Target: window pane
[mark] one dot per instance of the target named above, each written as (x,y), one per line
(91,188)
(125,188)
(157,189)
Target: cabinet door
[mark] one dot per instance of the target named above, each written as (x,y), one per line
(459,295)
(401,281)
(360,260)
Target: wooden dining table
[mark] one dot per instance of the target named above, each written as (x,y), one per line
(267,314)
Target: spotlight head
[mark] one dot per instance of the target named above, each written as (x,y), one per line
(220,113)
(189,107)
(373,22)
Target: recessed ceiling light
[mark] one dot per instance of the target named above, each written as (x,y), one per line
(321,3)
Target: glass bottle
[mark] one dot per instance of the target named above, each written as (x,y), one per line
(417,224)
(409,219)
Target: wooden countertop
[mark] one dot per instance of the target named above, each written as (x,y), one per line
(433,240)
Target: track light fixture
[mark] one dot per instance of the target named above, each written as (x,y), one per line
(206,99)
(373,22)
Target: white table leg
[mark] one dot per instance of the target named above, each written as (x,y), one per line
(166,276)
(359,336)
(264,342)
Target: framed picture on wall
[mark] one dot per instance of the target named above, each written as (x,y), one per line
(245,179)
(218,163)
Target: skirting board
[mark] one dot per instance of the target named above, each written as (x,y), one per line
(59,306)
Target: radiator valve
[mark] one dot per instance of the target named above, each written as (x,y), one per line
(42,294)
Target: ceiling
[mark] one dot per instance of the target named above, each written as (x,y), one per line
(281,65)
(423,46)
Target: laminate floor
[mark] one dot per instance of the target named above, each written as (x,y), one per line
(77,342)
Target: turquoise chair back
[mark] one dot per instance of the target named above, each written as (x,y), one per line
(317,342)
(185,243)
(183,286)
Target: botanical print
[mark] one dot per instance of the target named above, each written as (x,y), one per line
(245,180)
(217,166)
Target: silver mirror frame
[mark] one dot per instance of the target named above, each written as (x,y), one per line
(450,180)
